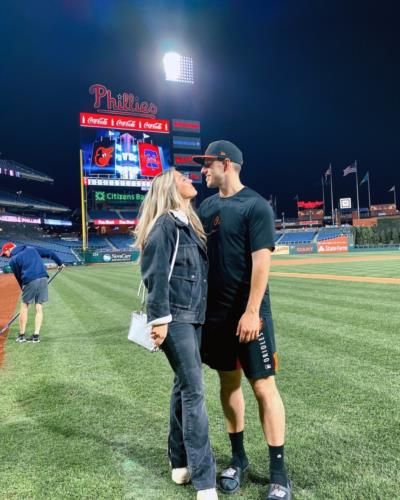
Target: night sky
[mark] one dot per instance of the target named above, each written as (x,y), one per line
(296,84)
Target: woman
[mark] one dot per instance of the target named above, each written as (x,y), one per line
(176,311)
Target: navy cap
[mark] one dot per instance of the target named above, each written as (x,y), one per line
(220,150)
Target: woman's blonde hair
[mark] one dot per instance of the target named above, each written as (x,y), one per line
(162,197)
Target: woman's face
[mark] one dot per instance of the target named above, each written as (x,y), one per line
(184,186)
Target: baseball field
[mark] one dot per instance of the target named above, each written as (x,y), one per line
(84,414)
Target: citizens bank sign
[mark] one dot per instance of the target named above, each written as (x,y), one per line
(117,197)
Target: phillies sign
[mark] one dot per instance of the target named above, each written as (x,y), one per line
(126,103)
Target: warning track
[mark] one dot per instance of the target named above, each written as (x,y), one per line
(9,295)
(332,260)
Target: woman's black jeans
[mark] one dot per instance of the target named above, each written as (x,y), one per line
(188,441)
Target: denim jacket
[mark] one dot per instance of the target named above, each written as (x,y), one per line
(184,298)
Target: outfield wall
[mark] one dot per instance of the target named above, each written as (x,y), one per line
(339,244)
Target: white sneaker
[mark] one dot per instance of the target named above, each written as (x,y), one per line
(210,494)
(181,475)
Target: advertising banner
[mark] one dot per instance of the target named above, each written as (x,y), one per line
(302,249)
(281,250)
(93,257)
(134,123)
(115,222)
(182,160)
(334,245)
(370,222)
(192,126)
(113,197)
(19,219)
(184,142)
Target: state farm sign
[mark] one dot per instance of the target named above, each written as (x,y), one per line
(334,245)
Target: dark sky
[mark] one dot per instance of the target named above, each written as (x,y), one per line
(296,84)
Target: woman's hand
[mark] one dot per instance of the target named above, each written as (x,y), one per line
(158,334)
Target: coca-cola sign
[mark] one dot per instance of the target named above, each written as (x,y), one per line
(96,120)
(125,102)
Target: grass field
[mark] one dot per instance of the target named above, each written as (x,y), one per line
(84,414)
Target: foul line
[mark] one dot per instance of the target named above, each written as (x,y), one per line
(335,277)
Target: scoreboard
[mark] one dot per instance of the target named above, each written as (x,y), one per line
(122,152)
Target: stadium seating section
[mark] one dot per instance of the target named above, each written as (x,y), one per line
(121,241)
(104,214)
(289,238)
(326,233)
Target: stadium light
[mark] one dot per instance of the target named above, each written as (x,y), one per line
(178,68)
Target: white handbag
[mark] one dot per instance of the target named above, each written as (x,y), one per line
(140,330)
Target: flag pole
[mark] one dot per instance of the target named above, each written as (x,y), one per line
(394,194)
(323,191)
(332,194)
(83,204)
(369,194)
(358,199)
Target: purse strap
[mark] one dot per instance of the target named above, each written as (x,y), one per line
(174,256)
(142,288)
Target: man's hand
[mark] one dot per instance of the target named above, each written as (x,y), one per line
(158,334)
(248,328)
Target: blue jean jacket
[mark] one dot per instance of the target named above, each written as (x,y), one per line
(184,297)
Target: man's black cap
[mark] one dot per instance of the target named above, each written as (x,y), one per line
(220,150)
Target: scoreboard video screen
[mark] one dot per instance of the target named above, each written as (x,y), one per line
(124,158)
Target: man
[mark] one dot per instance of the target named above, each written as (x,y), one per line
(30,272)
(238,334)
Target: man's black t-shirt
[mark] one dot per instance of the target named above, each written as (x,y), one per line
(236,226)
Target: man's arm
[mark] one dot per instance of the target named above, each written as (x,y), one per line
(249,324)
(49,254)
(16,270)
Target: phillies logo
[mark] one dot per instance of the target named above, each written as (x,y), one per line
(103,156)
(125,102)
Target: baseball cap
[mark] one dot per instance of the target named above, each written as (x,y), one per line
(220,150)
(7,246)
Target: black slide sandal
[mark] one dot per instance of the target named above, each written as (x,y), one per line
(232,474)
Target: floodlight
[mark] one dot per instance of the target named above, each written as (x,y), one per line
(178,68)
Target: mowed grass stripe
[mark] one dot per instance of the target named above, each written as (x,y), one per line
(373,269)
(329,297)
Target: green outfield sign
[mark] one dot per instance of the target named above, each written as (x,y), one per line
(95,256)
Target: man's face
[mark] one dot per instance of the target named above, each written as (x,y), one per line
(214,172)
(7,254)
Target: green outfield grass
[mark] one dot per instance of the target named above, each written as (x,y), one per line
(84,414)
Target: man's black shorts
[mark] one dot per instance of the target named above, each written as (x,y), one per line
(221,350)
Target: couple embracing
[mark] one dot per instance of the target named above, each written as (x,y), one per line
(215,308)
